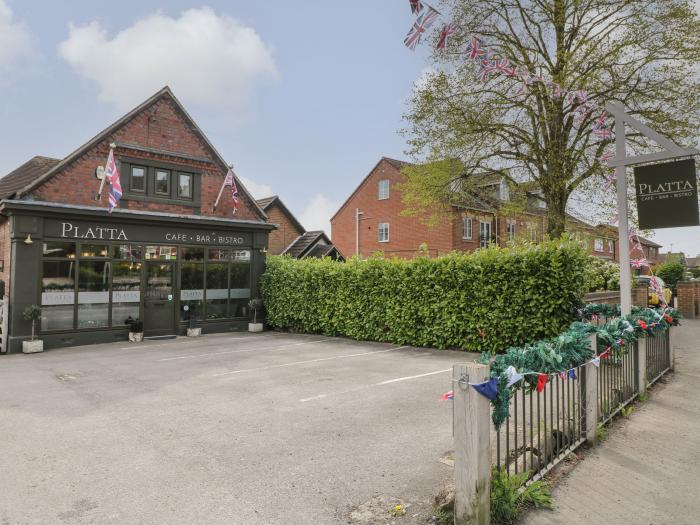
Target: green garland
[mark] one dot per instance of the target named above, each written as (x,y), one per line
(572,349)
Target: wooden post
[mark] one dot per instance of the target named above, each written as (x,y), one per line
(642,364)
(590,373)
(472,431)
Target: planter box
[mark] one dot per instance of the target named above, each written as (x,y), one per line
(255,327)
(135,337)
(32,347)
(194,332)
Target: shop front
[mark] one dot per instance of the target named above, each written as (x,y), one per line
(94,275)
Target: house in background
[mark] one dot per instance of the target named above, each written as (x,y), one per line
(291,238)
(370,220)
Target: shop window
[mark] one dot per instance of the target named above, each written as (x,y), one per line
(217,290)
(127,252)
(161,253)
(93,294)
(138,179)
(240,283)
(57,295)
(184,185)
(126,292)
(94,250)
(59,249)
(218,254)
(189,253)
(191,291)
(162,182)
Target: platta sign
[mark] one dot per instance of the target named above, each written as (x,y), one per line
(667,195)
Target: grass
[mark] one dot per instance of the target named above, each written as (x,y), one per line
(601,433)
(510,496)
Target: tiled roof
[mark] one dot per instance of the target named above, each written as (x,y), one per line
(304,242)
(264,203)
(398,164)
(25,174)
(267,202)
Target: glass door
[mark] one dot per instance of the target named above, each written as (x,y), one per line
(159,299)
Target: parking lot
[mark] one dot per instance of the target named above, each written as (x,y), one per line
(231,428)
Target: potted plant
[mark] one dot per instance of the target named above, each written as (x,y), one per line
(255,305)
(135,331)
(32,313)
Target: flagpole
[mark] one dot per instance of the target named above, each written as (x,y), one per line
(221,190)
(112,147)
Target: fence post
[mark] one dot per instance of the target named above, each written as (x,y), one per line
(671,348)
(590,385)
(472,432)
(641,349)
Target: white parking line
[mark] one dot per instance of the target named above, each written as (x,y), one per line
(246,350)
(231,372)
(388,382)
(183,341)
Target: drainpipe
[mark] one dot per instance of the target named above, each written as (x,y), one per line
(357,230)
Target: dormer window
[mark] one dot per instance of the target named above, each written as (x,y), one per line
(160,181)
(138,178)
(184,185)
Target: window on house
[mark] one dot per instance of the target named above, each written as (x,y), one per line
(533,232)
(484,234)
(466,227)
(511,230)
(599,245)
(138,178)
(383,189)
(184,185)
(611,245)
(162,182)
(383,232)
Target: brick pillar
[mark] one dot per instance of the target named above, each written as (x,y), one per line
(685,291)
(696,296)
(640,296)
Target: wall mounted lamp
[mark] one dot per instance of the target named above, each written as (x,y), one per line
(28,240)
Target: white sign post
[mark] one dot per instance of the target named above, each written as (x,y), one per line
(620,163)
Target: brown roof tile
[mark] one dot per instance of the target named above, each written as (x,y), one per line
(25,175)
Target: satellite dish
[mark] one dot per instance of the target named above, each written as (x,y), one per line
(100,173)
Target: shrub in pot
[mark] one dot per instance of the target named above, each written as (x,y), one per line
(255,305)
(135,330)
(32,313)
(192,329)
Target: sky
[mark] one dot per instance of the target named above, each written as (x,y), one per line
(303,98)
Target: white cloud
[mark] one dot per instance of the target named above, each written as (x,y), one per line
(210,59)
(317,214)
(258,191)
(15,40)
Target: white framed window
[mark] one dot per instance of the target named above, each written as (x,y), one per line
(598,244)
(511,229)
(484,234)
(533,231)
(383,232)
(611,245)
(383,189)
(467,228)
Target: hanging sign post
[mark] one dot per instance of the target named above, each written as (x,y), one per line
(620,163)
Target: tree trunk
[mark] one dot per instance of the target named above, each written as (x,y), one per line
(556,214)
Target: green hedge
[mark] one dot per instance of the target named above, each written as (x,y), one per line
(488,300)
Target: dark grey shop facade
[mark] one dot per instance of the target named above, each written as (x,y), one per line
(93,274)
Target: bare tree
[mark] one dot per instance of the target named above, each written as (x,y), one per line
(642,53)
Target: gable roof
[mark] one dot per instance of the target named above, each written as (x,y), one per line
(396,164)
(268,202)
(25,174)
(304,242)
(40,178)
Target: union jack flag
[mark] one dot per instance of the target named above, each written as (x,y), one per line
(526,78)
(230,181)
(486,67)
(447,396)
(502,66)
(556,89)
(115,185)
(603,133)
(420,26)
(447,31)
(416,6)
(605,157)
(600,121)
(475,49)
(639,263)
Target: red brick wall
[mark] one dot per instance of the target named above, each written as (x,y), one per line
(286,232)
(159,126)
(406,234)
(5,253)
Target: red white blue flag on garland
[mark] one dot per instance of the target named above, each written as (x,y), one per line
(420,26)
(416,6)
(115,185)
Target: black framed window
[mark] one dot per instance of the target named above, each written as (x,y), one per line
(57,294)
(138,179)
(93,294)
(162,182)
(126,292)
(184,185)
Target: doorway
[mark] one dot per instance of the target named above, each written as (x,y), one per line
(159,300)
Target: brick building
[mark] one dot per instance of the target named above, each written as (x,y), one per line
(371,220)
(166,256)
(291,237)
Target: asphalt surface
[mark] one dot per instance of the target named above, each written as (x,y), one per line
(646,470)
(235,428)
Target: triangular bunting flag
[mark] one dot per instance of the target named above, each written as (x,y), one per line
(488,389)
(513,375)
(541,381)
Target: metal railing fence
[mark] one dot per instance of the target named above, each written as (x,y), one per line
(617,381)
(658,359)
